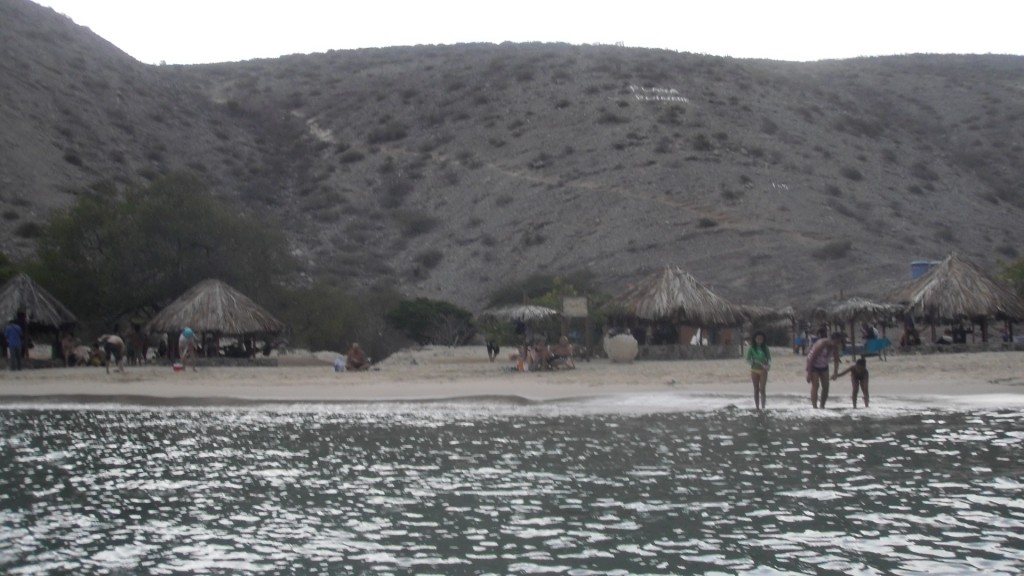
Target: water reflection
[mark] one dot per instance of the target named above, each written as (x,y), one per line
(354,489)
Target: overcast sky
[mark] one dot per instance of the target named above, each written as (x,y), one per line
(201,31)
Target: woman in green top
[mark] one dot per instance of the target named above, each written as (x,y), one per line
(760,360)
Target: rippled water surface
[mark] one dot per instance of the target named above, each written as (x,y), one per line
(491,488)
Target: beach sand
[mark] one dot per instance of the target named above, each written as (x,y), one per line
(438,373)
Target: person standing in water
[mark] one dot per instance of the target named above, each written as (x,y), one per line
(760,360)
(859,379)
(817,366)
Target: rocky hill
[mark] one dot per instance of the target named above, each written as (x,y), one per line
(454,170)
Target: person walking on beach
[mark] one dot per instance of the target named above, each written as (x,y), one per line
(760,360)
(859,378)
(187,348)
(14,337)
(817,366)
(492,348)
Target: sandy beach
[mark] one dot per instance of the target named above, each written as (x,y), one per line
(437,373)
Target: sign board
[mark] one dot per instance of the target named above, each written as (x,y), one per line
(574,306)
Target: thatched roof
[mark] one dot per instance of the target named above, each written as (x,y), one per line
(213,306)
(520,312)
(22,294)
(959,289)
(856,308)
(767,314)
(672,294)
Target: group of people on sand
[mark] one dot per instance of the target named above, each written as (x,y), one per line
(356,360)
(821,353)
(540,356)
(112,349)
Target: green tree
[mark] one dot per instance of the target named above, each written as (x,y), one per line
(428,321)
(546,290)
(319,316)
(114,253)
(328,317)
(539,286)
(7,269)
(1013,272)
(370,326)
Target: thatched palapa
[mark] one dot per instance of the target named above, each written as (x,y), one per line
(957,289)
(856,309)
(213,306)
(521,312)
(22,294)
(861,309)
(672,294)
(768,315)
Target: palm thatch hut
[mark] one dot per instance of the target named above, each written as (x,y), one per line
(37,311)
(784,318)
(22,295)
(520,312)
(856,309)
(957,290)
(674,296)
(767,314)
(526,318)
(213,308)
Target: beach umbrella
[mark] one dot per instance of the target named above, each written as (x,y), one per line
(22,294)
(857,309)
(521,314)
(213,306)
(767,314)
(672,294)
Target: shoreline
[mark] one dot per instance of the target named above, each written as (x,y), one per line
(436,374)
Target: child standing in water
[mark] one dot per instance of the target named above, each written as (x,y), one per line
(859,379)
(760,360)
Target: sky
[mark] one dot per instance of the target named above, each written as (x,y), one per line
(204,31)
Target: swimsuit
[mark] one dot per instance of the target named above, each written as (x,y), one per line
(112,350)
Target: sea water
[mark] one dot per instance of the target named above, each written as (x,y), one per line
(655,484)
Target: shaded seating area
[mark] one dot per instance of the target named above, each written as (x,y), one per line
(674,316)
(961,299)
(217,312)
(868,314)
(532,350)
(43,318)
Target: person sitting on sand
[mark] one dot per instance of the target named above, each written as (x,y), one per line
(858,377)
(539,355)
(356,359)
(562,354)
(112,346)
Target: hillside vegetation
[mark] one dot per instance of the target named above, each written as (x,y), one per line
(451,171)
